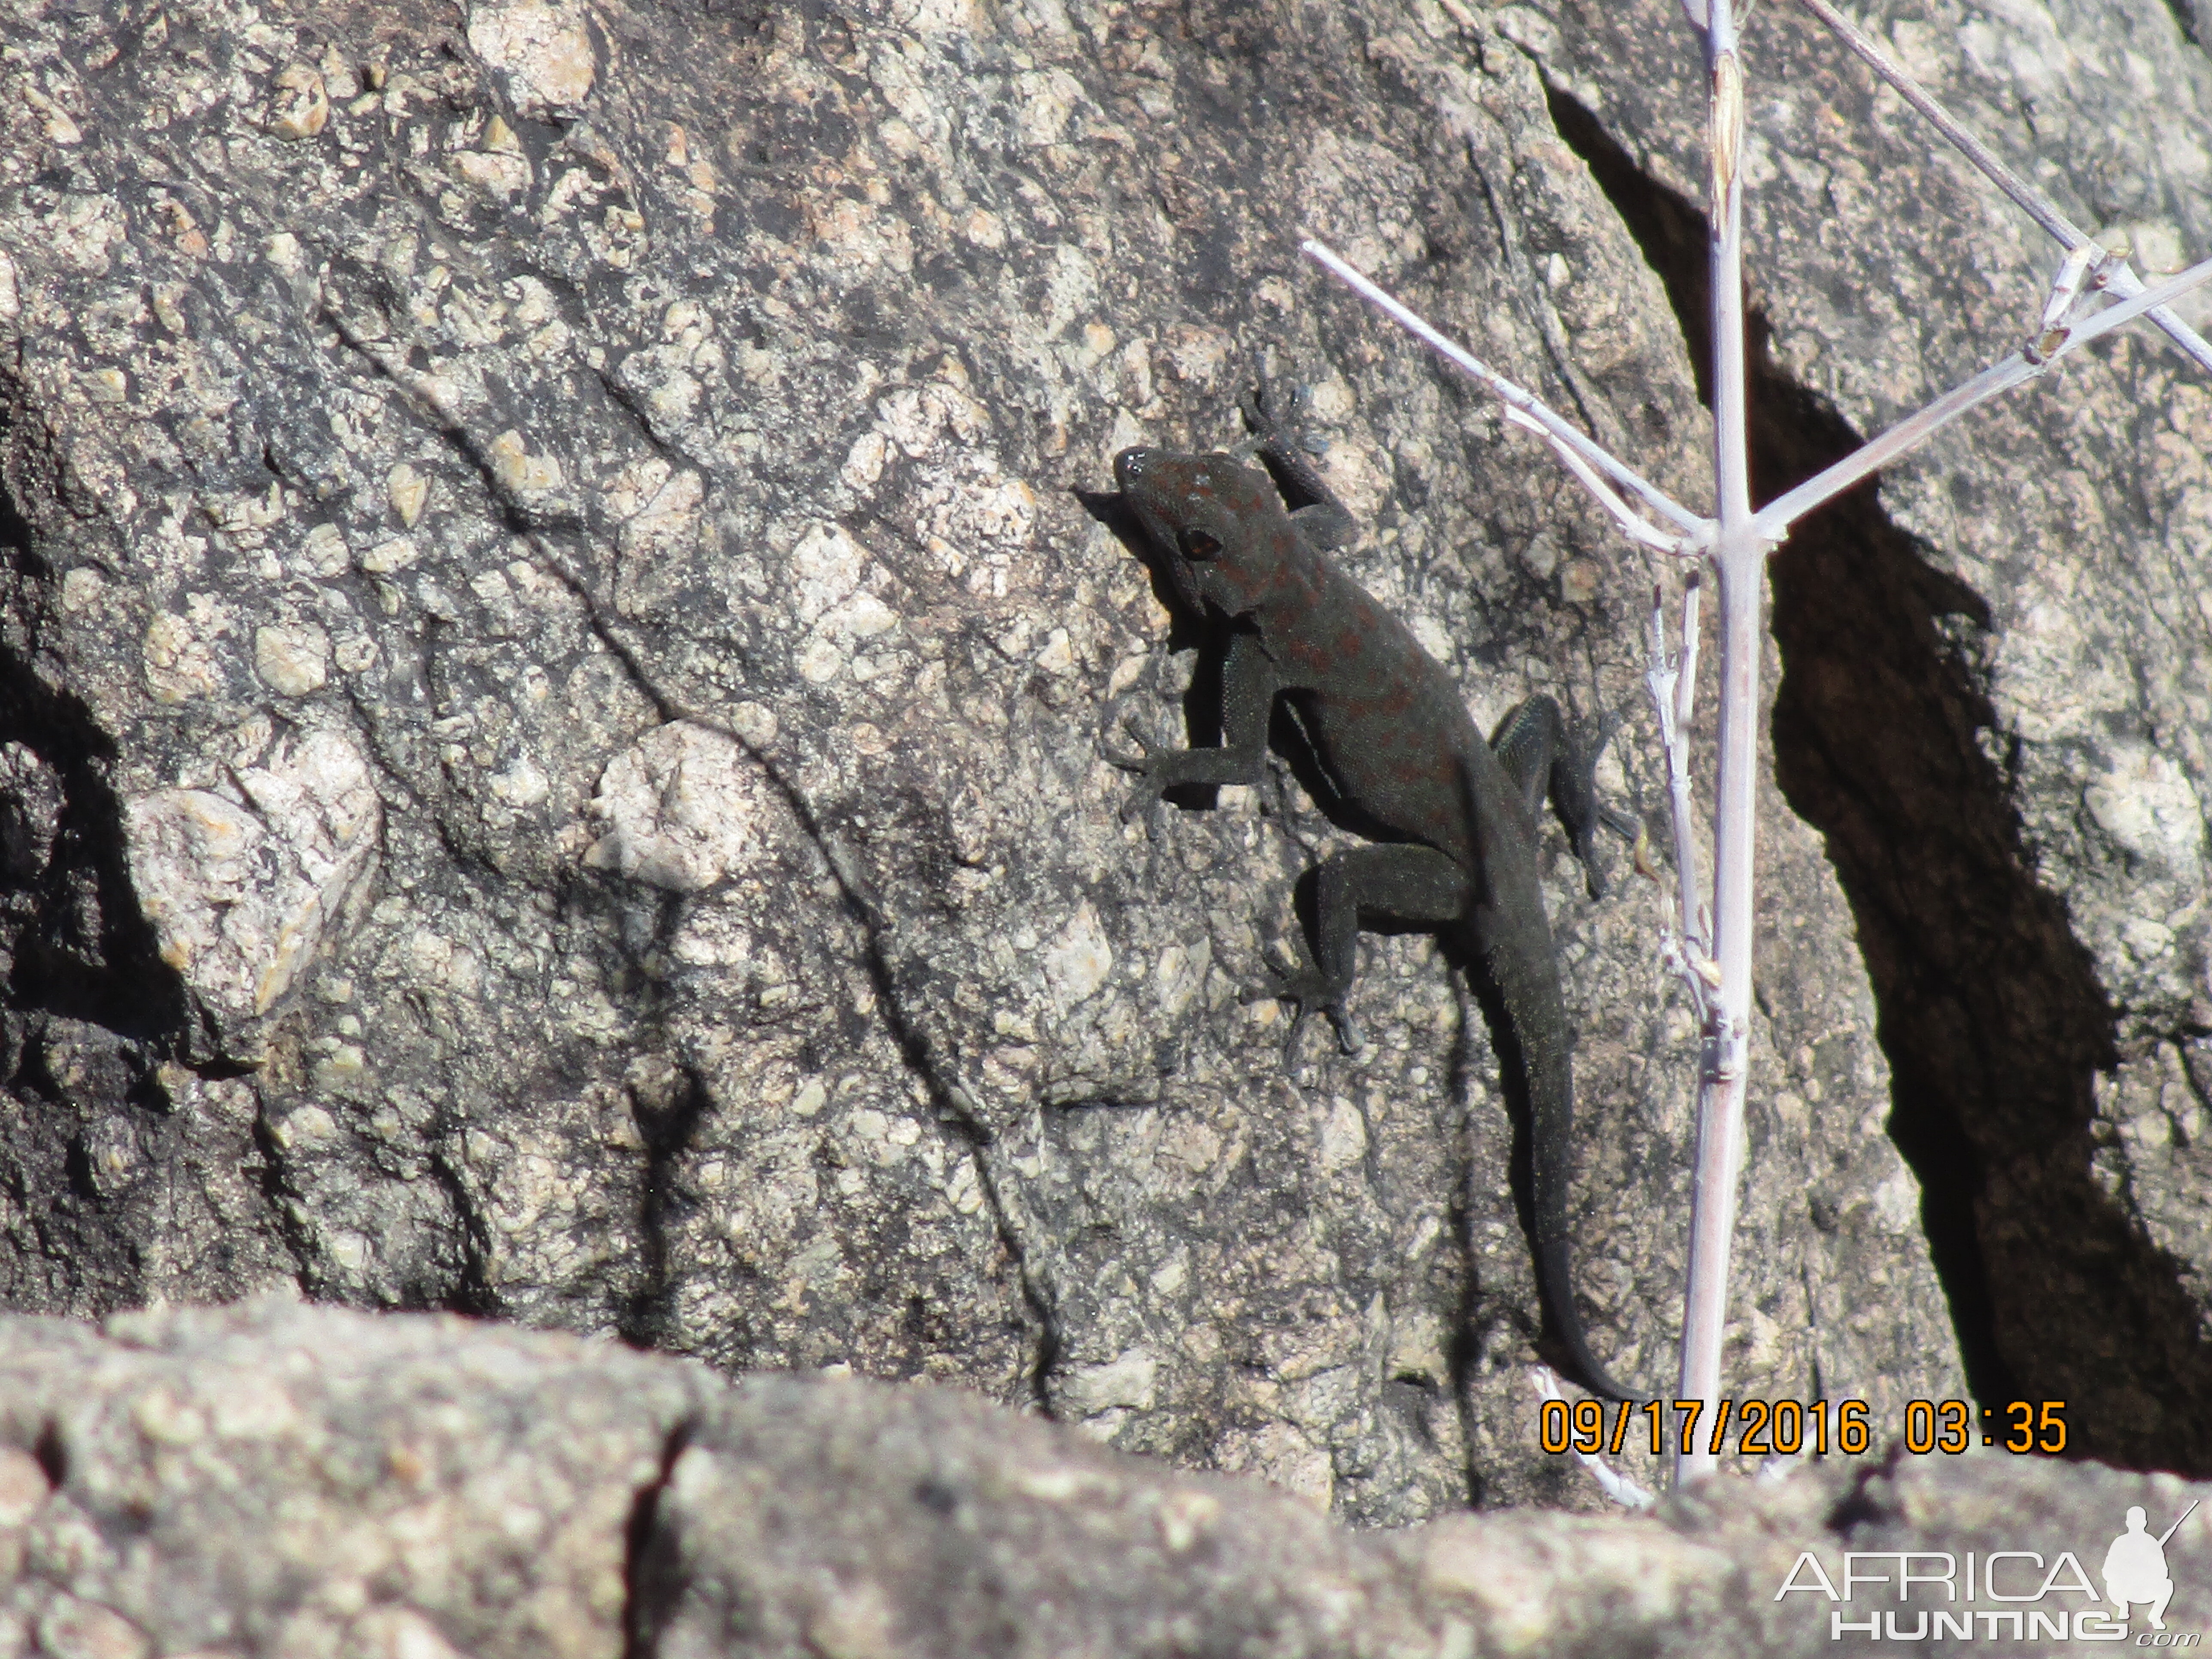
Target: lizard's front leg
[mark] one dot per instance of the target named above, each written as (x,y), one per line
(1390,883)
(1276,422)
(1249,680)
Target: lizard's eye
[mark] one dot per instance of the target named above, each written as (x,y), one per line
(1197,545)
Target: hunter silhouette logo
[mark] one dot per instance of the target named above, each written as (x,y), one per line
(2135,1568)
(1999,1598)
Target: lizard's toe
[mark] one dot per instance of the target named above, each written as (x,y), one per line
(1128,760)
(1139,762)
(1311,992)
(1586,854)
(1144,799)
(1267,411)
(1629,826)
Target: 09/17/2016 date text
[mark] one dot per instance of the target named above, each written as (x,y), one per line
(1786,1427)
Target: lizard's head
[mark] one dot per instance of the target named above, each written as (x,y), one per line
(1197,509)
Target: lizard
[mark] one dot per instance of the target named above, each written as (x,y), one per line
(1458,816)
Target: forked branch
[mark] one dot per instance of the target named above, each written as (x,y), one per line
(2111,270)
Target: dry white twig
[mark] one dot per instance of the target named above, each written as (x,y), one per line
(1673,681)
(1514,397)
(1632,524)
(2065,293)
(1739,558)
(1622,1489)
(2113,271)
(1778,514)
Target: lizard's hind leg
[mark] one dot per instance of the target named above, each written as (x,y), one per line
(1390,882)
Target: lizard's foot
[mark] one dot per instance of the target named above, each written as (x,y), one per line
(1626,825)
(1276,420)
(1146,797)
(1140,762)
(1270,416)
(1311,990)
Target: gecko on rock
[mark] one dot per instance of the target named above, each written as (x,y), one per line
(1386,726)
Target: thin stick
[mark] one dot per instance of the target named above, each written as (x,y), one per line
(1739,555)
(1514,396)
(1673,681)
(2114,273)
(2150,300)
(2031,201)
(1632,524)
(1778,514)
(1682,950)
(2066,288)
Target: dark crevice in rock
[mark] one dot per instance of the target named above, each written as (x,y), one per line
(1818,1382)
(948,1097)
(469,1289)
(517,517)
(1990,1010)
(1669,228)
(653,1580)
(87,1008)
(669,1126)
(80,1162)
(624,398)
(286,1206)
(647,1314)
(1865,1502)
(85,949)
(52,1454)
(77,941)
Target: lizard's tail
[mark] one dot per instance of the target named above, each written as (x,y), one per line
(1514,941)
(1551,1102)
(1555,1281)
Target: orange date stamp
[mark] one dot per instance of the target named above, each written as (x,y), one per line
(1787,1428)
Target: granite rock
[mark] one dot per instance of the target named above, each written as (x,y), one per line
(276,1478)
(563,597)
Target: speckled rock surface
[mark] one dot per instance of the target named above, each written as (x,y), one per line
(558,622)
(275,1479)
